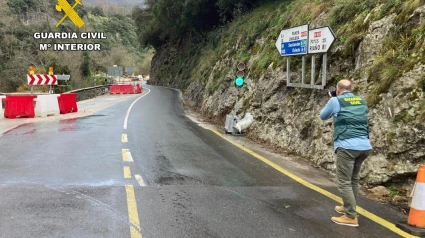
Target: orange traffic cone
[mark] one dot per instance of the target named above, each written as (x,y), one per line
(416,220)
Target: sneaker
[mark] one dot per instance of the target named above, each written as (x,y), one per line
(346,221)
(340,209)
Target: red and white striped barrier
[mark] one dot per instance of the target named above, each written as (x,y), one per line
(42,79)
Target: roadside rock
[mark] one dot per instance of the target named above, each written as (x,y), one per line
(289,117)
(380,191)
(399,199)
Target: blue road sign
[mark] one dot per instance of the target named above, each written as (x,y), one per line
(294,47)
(293,41)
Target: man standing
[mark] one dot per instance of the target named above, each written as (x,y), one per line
(351,145)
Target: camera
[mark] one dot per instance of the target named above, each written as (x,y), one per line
(333,93)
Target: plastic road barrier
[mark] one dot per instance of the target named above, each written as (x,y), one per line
(47,105)
(138,89)
(19,106)
(114,89)
(125,89)
(67,103)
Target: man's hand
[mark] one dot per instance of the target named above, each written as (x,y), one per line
(330,95)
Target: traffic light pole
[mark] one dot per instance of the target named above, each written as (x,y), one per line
(236,105)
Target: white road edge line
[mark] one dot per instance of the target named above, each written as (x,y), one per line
(140,180)
(129,156)
(131,106)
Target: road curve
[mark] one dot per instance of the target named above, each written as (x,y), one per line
(160,176)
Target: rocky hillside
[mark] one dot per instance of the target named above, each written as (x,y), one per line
(20,20)
(380,47)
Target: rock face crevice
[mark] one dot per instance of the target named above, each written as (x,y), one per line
(289,117)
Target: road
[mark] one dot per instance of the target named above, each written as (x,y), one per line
(153,172)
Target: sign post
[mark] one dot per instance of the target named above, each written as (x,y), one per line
(320,41)
(292,42)
(302,41)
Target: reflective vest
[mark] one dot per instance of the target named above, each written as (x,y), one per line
(352,119)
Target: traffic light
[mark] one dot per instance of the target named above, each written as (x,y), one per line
(31,69)
(240,80)
(50,70)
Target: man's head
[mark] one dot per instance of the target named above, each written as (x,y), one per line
(343,85)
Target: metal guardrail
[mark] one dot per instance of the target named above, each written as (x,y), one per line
(83,93)
(73,91)
(88,89)
(90,92)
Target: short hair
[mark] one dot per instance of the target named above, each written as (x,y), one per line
(344,84)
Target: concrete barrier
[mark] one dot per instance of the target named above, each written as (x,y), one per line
(47,105)
(1,107)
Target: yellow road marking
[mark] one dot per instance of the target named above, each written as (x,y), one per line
(134,233)
(127,172)
(126,155)
(332,196)
(124,138)
(133,215)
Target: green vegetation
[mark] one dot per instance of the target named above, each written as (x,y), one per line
(250,38)
(390,136)
(403,116)
(85,66)
(20,19)
(395,191)
(165,20)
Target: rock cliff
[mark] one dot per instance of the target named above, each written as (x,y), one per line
(289,117)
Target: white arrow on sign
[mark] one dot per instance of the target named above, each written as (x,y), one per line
(320,40)
(293,41)
(279,42)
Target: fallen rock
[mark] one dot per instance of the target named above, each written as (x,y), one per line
(380,191)
(399,199)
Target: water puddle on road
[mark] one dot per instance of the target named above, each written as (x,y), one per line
(68,125)
(26,128)
(73,123)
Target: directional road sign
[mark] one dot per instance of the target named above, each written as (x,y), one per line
(63,77)
(320,40)
(293,41)
(129,70)
(115,71)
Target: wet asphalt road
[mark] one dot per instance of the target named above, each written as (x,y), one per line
(65,179)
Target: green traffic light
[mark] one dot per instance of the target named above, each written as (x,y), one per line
(239,82)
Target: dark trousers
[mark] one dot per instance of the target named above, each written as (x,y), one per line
(348,164)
